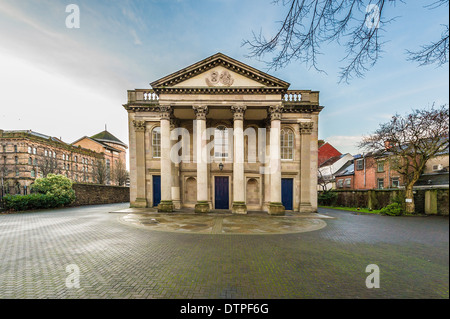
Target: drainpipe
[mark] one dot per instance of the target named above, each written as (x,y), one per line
(364,162)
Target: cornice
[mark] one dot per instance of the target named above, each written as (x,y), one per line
(287,108)
(221,90)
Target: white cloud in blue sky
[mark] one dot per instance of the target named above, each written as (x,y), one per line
(70,82)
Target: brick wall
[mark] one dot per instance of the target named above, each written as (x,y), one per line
(91,194)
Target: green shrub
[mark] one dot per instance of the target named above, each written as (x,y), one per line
(28,202)
(394,209)
(327,198)
(57,186)
(51,191)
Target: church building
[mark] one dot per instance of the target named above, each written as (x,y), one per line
(221,135)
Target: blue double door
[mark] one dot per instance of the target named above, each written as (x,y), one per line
(221,192)
(287,193)
(156,190)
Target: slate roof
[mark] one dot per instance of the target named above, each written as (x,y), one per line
(107,137)
(434,179)
(47,137)
(347,169)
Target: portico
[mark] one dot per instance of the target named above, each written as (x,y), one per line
(220,134)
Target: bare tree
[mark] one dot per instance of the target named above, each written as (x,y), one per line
(357,24)
(48,165)
(4,172)
(323,181)
(100,172)
(411,140)
(119,173)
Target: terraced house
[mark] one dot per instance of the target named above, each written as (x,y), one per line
(220,134)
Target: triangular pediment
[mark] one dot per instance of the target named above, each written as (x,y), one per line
(219,71)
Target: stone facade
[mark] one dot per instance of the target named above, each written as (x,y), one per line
(220,134)
(27,155)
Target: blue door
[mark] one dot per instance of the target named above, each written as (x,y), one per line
(221,192)
(156,190)
(287,193)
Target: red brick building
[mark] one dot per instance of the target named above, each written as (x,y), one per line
(376,172)
(113,150)
(327,151)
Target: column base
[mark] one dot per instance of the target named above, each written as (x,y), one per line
(165,206)
(239,208)
(306,208)
(177,204)
(276,209)
(202,207)
(139,203)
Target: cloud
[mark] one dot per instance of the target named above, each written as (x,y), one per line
(137,41)
(72,53)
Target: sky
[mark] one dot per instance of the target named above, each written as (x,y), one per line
(71,82)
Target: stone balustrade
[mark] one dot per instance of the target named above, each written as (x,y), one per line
(292,97)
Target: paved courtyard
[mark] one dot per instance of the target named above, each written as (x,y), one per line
(118,259)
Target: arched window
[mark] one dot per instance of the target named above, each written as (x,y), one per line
(221,142)
(287,144)
(156,142)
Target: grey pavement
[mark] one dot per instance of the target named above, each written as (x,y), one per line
(119,260)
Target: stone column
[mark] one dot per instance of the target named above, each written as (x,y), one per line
(275,206)
(141,197)
(239,205)
(175,171)
(266,169)
(202,205)
(305,167)
(166,204)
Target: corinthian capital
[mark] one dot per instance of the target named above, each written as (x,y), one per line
(200,111)
(238,111)
(306,127)
(165,112)
(139,126)
(275,112)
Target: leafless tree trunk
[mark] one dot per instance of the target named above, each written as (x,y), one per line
(119,173)
(322,181)
(48,165)
(100,172)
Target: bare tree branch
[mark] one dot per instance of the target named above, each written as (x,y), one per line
(434,53)
(358,24)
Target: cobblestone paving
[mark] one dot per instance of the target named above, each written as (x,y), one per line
(122,261)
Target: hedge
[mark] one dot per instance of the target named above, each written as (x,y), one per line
(29,202)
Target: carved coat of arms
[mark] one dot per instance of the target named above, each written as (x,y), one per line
(215,77)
